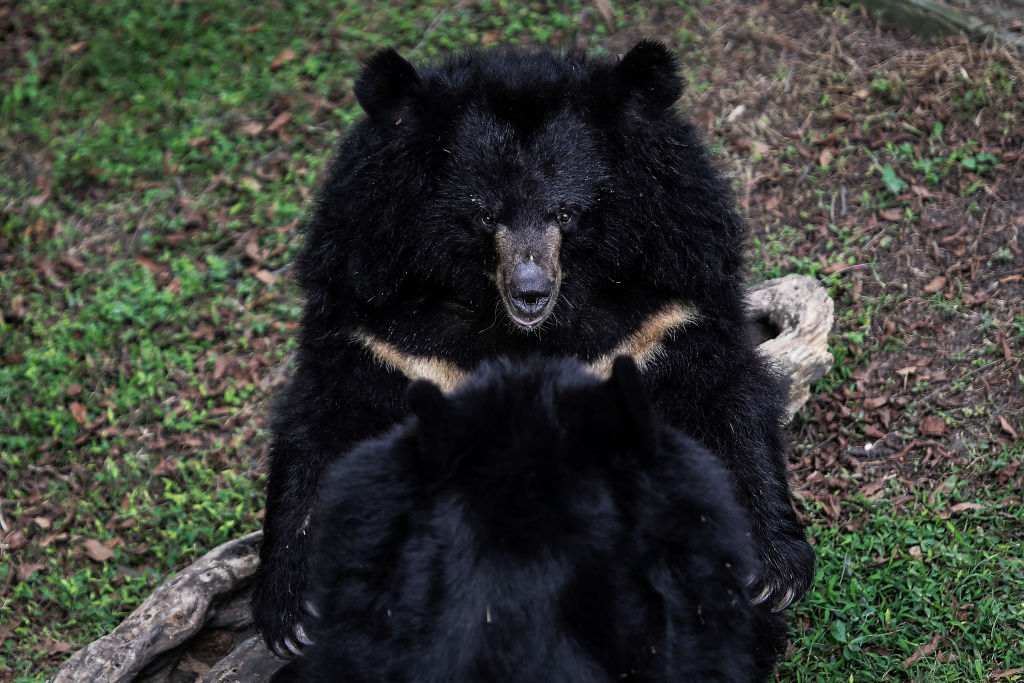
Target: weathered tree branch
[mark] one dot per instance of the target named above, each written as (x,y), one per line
(935,18)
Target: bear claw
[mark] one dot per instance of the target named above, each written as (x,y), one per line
(302,636)
(762,596)
(785,601)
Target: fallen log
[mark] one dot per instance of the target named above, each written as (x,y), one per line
(980,21)
(196,626)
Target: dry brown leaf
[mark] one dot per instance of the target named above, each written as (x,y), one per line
(37,229)
(14,540)
(252,250)
(876,401)
(279,122)
(923,651)
(873,432)
(1006,674)
(960,507)
(1007,427)
(758,147)
(933,425)
(78,412)
(935,285)
(286,55)
(892,215)
(736,113)
(252,129)
(74,263)
(97,551)
(835,268)
(151,265)
(26,571)
(221,365)
(58,646)
(265,276)
(167,467)
(17,308)
(38,200)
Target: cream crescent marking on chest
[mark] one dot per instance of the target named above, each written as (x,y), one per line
(645,346)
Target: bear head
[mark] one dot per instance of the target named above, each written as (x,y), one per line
(525,180)
(529,445)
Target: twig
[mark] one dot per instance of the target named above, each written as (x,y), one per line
(434,24)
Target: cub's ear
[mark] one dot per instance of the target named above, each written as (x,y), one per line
(386,87)
(620,411)
(435,412)
(639,411)
(649,75)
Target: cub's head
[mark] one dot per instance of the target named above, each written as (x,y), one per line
(529,181)
(529,444)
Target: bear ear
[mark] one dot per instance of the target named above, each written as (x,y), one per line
(648,74)
(620,411)
(429,404)
(386,87)
(639,411)
(434,411)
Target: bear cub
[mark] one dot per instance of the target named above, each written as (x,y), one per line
(538,524)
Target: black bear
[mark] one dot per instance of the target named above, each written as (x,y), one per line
(537,524)
(512,202)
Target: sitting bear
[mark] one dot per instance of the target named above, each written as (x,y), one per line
(538,524)
(513,202)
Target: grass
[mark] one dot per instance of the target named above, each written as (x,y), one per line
(897,578)
(155,160)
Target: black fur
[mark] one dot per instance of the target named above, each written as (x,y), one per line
(396,248)
(537,525)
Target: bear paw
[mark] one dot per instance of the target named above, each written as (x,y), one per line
(787,569)
(281,619)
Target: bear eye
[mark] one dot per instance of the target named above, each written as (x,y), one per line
(563,216)
(487,219)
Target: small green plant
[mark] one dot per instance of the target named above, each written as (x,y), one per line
(893,182)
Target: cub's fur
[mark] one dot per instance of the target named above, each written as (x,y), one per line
(536,525)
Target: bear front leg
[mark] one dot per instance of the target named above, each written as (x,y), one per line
(733,405)
(785,559)
(753,446)
(277,598)
(336,398)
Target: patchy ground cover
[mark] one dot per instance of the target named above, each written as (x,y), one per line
(154,164)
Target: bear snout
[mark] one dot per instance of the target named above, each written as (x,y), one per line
(529,273)
(529,289)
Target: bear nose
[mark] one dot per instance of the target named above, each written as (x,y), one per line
(529,288)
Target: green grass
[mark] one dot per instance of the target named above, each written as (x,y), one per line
(899,577)
(155,159)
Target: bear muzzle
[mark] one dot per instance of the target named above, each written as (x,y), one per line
(529,273)
(529,290)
